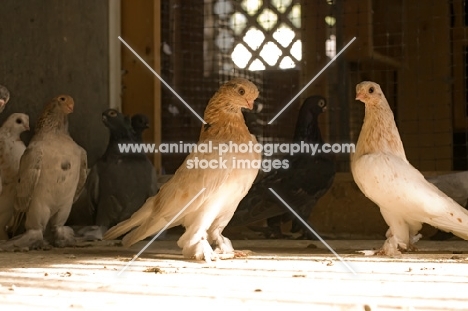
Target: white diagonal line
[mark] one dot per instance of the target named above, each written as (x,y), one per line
(159,233)
(313,79)
(313,231)
(162,80)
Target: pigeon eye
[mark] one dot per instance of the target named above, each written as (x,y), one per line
(371,90)
(241,91)
(112,113)
(321,103)
(18,121)
(62,98)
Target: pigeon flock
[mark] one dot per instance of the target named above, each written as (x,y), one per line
(49,196)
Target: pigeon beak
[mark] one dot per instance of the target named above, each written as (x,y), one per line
(26,127)
(250,104)
(70,108)
(324,109)
(360,96)
(2,104)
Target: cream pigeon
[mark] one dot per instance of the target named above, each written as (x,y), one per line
(4,98)
(382,172)
(11,150)
(51,175)
(217,190)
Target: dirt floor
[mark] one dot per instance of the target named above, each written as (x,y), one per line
(276,274)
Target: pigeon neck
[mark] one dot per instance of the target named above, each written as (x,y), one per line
(138,136)
(117,138)
(221,107)
(52,121)
(10,133)
(379,133)
(308,130)
(224,122)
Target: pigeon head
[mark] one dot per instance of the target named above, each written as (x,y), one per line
(64,103)
(54,116)
(118,124)
(140,122)
(238,93)
(18,123)
(4,97)
(369,93)
(314,105)
(307,128)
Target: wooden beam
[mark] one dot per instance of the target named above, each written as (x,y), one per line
(115,80)
(157,126)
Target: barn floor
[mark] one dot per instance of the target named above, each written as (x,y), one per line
(276,274)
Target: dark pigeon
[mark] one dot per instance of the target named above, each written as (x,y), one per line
(140,123)
(306,180)
(119,183)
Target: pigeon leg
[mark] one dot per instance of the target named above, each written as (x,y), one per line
(306,234)
(63,235)
(197,246)
(31,239)
(398,235)
(36,221)
(194,242)
(91,233)
(225,250)
(414,235)
(5,217)
(274,224)
(223,244)
(110,212)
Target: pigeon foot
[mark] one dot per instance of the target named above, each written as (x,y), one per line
(64,236)
(31,239)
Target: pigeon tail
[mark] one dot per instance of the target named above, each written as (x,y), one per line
(455,222)
(136,220)
(142,233)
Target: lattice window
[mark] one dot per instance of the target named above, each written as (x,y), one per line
(257,34)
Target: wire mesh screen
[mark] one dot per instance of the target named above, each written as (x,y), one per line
(416,51)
